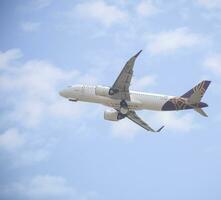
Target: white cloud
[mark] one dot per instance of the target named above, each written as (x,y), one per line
(143,82)
(30,26)
(45,187)
(11,140)
(169,41)
(68,109)
(31,155)
(101,12)
(124,129)
(48,186)
(8,56)
(210,4)
(34,5)
(41,3)
(176,122)
(32,90)
(146,8)
(35,83)
(213,63)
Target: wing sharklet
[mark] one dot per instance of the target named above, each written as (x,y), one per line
(138,54)
(160,129)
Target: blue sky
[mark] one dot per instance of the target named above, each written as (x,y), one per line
(51,148)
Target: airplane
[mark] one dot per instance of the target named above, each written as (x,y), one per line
(124,103)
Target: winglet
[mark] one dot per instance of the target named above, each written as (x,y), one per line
(160,129)
(138,54)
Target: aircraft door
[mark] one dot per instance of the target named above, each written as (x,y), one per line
(83,90)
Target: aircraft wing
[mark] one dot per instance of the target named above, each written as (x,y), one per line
(120,88)
(134,117)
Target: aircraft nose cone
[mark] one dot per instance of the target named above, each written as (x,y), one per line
(63,93)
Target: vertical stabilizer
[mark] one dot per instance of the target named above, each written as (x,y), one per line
(195,94)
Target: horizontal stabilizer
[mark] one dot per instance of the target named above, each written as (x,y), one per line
(201,111)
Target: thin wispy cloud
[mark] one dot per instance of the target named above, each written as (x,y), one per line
(35,5)
(99,11)
(36,84)
(210,4)
(11,140)
(9,56)
(143,83)
(146,8)
(44,187)
(124,129)
(39,4)
(176,122)
(213,63)
(173,122)
(169,41)
(30,26)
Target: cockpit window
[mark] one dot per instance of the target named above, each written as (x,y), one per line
(77,87)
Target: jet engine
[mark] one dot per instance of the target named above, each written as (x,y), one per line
(102,91)
(113,115)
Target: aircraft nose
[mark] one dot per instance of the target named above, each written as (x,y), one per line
(63,93)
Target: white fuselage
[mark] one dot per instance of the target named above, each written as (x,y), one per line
(138,100)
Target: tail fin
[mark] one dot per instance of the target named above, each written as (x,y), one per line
(195,94)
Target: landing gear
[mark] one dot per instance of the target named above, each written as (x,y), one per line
(123,107)
(113,91)
(123,103)
(120,116)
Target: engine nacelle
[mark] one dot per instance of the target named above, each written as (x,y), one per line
(113,115)
(102,91)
